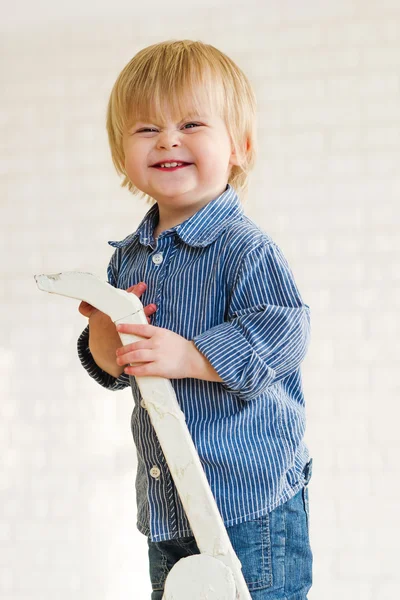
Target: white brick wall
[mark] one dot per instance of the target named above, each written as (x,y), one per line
(326,188)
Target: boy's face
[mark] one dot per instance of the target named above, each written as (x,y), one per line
(199,140)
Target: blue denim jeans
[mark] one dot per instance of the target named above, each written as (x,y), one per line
(274,551)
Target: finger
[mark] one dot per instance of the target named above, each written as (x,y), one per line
(84,305)
(85,309)
(143,344)
(145,370)
(137,289)
(137,356)
(150,309)
(139,329)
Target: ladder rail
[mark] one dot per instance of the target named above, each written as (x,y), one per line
(166,417)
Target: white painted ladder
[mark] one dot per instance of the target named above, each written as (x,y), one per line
(216,573)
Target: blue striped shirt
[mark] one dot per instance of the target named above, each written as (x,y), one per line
(219,280)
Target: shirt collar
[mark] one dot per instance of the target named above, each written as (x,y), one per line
(201,229)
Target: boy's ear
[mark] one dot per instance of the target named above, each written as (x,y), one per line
(238,159)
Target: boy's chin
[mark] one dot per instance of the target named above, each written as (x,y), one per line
(172,191)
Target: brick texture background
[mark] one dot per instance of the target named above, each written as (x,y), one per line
(326,188)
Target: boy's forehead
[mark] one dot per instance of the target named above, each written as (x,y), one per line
(166,117)
(175,110)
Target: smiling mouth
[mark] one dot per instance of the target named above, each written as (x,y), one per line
(169,169)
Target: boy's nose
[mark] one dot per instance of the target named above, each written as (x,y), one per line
(166,146)
(168,140)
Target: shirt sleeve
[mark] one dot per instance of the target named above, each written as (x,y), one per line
(86,357)
(267,332)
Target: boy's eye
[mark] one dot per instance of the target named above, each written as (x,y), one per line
(152,129)
(195,124)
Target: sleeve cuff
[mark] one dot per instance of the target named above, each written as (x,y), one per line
(243,372)
(102,377)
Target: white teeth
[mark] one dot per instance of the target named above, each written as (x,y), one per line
(174,164)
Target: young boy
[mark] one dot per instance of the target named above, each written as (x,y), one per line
(229,327)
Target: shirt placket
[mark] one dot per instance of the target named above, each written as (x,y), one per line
(161,487)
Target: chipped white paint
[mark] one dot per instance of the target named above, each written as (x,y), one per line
(75,284)
(200,577)
(175,440)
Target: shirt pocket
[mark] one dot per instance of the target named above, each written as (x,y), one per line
(251,541)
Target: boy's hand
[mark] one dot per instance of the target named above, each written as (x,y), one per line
(162,353)
(103,337)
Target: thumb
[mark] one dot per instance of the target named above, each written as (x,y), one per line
(85,308)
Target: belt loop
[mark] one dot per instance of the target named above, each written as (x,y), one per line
(308,471)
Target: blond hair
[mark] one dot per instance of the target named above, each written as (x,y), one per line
(159,76)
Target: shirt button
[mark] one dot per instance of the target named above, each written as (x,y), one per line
(155,472)
(157,258)
(143,403)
